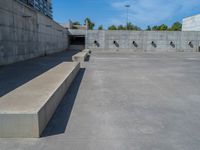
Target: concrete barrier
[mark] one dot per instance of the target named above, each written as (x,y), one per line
(141,41)
(25,112)
(81,56)
(88,51)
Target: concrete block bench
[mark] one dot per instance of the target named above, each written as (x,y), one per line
(88,51)
(25,112)
(81,56)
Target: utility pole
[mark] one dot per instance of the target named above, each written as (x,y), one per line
(127,7)
(86,34)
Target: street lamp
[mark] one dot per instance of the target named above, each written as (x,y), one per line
(127,7)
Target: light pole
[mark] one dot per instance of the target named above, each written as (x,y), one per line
(127,7)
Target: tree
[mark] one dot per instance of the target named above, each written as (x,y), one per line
(148,28)
(112,27)
(121,27)
(130,26)
(89,23)
(100,27)
(177,26)
(155,28)
(163,27)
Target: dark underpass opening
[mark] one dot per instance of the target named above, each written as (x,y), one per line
(77,42)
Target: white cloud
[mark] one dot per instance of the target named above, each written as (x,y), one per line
(151,12)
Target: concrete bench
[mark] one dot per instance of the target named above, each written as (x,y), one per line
(88,51)
(81,56)
(25,112)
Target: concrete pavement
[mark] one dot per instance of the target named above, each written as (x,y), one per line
(125,101)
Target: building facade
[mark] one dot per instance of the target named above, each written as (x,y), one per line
(43,6)
(191,23)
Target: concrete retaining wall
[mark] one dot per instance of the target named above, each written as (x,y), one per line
(26,33)
(143,41)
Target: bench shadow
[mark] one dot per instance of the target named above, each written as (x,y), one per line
(87,59)
(59,121)
(15,75)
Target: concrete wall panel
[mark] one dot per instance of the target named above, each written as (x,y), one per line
(144,41)
(26,33)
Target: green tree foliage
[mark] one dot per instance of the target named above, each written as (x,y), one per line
(112,27)
(90,23)
(177,26)
(155,28)
(121,27)
(100,27)
(163,27)
(148,28)
(130,26)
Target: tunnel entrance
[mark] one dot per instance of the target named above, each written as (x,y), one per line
(77,42)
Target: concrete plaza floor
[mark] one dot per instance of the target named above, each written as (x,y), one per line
(124,101)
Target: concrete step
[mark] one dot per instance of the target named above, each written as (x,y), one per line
(25,112)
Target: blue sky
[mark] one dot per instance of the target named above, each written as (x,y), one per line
(141,12)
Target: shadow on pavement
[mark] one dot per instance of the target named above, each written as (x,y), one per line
(15,75)
(59,121)
(87,58)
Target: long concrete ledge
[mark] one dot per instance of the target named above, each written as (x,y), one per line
(81,56)
(88,51)
(25,112)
